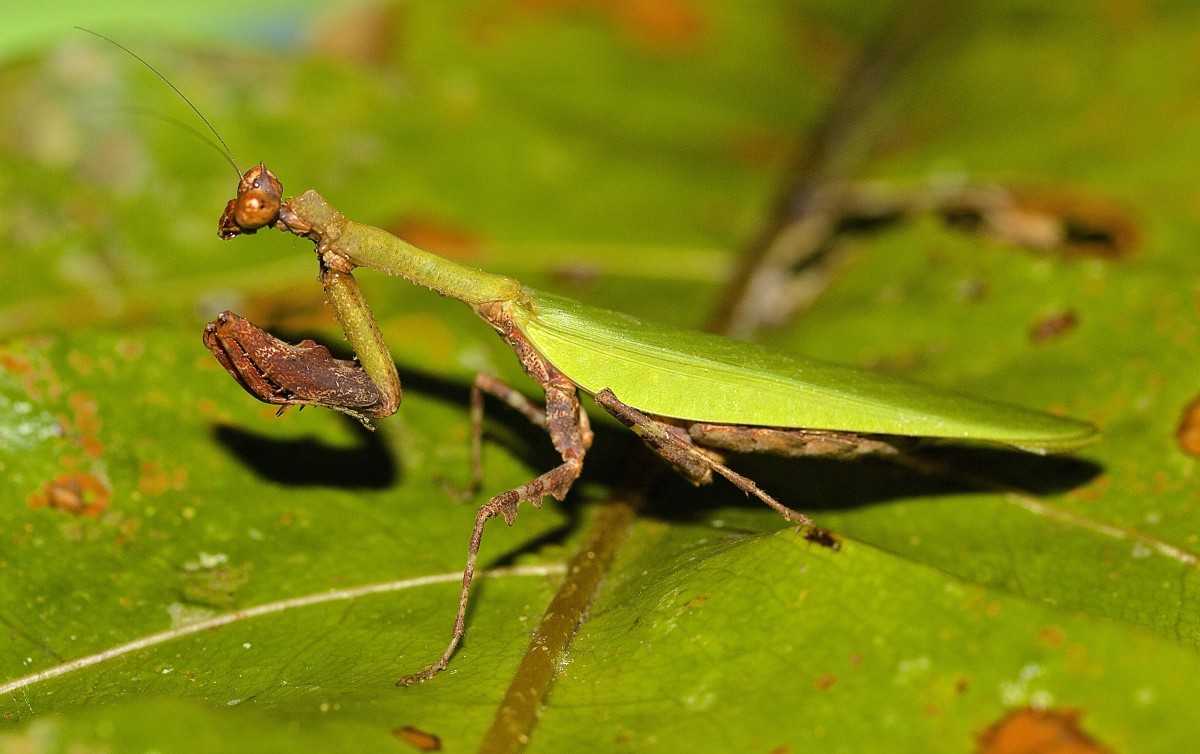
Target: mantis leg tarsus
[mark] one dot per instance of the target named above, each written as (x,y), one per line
(568,428)
(685,456)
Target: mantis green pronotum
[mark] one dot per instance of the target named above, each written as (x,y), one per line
(689,396)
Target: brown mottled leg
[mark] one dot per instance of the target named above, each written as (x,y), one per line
(678,449)
(796,443)
(569,431)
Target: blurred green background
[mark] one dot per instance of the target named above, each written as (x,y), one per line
(623,153)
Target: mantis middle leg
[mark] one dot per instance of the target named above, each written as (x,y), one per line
(571,435)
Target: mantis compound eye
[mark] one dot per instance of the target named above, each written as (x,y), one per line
(255,208)
(259,198)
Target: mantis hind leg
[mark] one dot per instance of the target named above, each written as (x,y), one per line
(571,435)
(690,460)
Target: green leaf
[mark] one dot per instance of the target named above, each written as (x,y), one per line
(620,160)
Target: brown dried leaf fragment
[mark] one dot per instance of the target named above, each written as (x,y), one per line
(1033,731)
(419,739)
(1188,432)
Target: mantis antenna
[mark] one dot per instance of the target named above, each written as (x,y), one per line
(226,151)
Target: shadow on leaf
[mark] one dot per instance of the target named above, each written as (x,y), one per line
(310,462)
(813,485)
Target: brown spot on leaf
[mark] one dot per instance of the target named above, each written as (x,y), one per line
(419,739)
(1031,731)
(825,681)
(74,493)
(1188,433)
(666,26)
(662,25)
(80,362)
(1051,635)
(1053,325)
(131,349)
(35,373)
(1096,490)
(85,417)
(154,479)
(438,236)
(15,363)
(207,407)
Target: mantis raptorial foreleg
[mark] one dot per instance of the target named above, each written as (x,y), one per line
(354,315)
(306,374)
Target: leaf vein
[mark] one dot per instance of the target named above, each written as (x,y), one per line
(268,608)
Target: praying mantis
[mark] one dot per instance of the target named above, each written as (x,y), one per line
(689,396)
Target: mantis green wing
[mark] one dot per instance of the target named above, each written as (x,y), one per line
(706,378)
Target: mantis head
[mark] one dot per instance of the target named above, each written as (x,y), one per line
(257,205)
(269,369)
